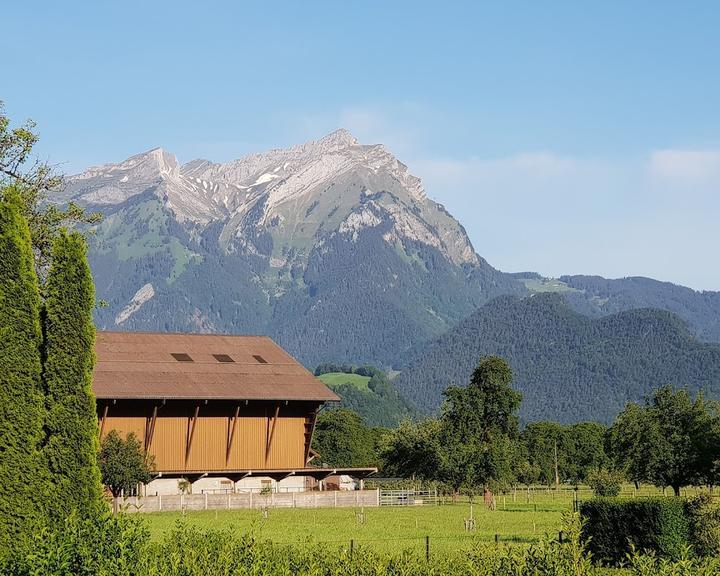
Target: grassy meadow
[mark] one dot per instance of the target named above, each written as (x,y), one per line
(337,378)
(521,517)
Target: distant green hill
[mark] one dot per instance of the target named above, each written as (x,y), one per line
(568,366)
(375,398)
(335,379)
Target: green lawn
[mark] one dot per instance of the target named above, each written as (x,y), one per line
(338,378)
(519,518)
(388,528)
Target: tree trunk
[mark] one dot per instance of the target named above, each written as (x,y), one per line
(676,489)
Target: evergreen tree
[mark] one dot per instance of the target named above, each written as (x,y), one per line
(72,444)
(21,397)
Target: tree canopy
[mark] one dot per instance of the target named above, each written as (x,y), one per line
(33,181)
(343,439)
(671,440)
(479,426)
(123,463)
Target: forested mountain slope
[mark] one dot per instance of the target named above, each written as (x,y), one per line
(600,296)
(569,367)
(597,296)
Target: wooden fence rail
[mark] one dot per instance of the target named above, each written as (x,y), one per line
(187,502)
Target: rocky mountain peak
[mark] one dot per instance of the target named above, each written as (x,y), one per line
(299,195)
(340,138)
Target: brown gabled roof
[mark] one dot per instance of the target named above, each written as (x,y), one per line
(141,365)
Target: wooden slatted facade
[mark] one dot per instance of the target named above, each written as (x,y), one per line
(206,415)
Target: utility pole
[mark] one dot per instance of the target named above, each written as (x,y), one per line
(557,475)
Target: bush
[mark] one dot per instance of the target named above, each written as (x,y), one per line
(614,528)
(104,545)
(605,482)
(704,523)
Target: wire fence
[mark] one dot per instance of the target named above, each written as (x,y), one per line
(428,543)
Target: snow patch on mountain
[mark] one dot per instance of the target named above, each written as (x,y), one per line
(297,194)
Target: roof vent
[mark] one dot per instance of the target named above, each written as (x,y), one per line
(260,359)
(181,357)
(223,358)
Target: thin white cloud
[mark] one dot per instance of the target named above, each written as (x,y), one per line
(652,216)
(693,171)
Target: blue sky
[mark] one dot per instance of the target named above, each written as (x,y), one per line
(568,137)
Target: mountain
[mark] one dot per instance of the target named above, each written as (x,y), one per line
(568,366)
(596,296)
(331,247)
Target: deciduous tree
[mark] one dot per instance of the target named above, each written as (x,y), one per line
(123,464)
(343,439)
(33,181)
(670,441)
(479,428)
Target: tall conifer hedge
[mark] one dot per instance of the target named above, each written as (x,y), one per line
(72,444)
(21,394)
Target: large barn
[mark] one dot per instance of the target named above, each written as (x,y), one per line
(221,412)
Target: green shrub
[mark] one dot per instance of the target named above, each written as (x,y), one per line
(614,528)
(605,482)
(101,545)
(704,522)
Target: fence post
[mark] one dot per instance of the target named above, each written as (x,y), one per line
(335,499)
(377,491)
(206,501)
(561,537)
(352,546)
(357,498)
(427,548)
(159,501)
(497,538)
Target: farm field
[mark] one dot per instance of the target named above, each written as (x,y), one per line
(520,518)
(385,528)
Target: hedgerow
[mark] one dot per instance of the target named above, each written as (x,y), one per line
(614,527)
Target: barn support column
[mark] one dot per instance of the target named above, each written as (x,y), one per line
(231,434)
(271,432)
(191,433)
(309,433)
(103,418)
(150,430)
